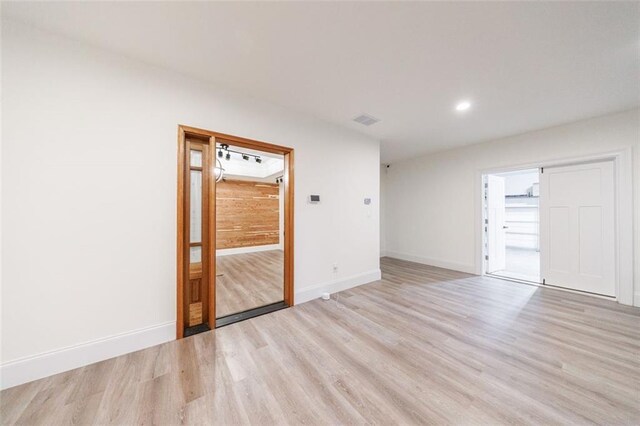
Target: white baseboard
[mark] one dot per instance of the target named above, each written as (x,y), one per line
(462,267)
(251,249)
(341,284)
(35,367)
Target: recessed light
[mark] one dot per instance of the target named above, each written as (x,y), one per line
(463,106)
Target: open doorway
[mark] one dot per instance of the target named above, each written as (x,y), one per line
(571,229)
(512,225)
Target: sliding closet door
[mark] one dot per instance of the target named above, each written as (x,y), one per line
(577,227)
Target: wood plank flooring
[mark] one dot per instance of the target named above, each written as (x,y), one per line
(422,346)
(248,280)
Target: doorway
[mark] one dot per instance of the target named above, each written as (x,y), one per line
(554,226)
(235,229)
(512,225)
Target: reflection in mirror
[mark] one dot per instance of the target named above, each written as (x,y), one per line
(249,231)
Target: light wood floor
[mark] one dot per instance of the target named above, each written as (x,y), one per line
(248,280)
(521,264)
(422,346)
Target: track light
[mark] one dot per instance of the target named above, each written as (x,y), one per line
(224,151)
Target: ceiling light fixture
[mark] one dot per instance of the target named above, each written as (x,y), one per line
(218,171)
(244,155)
(463,105)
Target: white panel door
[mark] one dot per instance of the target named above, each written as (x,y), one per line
(577,244)
(496,227)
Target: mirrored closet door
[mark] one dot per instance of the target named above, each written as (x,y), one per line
(249,233)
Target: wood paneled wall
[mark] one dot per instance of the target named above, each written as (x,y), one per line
(247,214)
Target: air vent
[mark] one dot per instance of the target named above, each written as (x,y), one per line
(366,119)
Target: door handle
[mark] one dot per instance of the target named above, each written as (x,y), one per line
(505,227)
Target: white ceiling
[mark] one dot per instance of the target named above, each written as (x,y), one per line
(523,65)
(272,165)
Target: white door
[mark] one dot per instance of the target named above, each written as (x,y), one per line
(577,227)
(496,229)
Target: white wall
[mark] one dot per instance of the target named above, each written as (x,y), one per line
(430,215)
(89,197)
(383,207)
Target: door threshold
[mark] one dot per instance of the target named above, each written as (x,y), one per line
(196,329)
(251,313)
(553,287)
(514,279)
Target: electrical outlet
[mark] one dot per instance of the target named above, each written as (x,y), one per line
(335,268)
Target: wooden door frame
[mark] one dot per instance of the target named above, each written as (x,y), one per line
(212,138)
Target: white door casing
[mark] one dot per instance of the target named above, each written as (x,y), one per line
(577,227)
(496,228)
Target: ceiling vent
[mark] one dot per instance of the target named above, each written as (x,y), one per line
(366,119)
